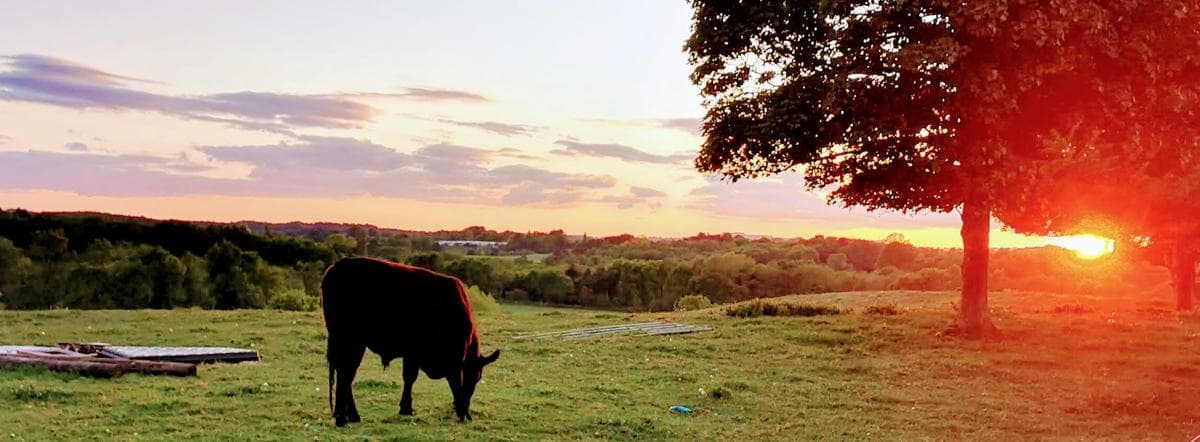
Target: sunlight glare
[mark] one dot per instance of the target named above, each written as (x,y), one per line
(1085,246)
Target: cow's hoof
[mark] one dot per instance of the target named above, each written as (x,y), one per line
(339,421)
(354,419)
(406,412)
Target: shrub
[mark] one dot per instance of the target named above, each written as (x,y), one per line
(480,301)
(692,302)
(763,308)
(882,310)
(1068,308)
(719,393)
(293,300)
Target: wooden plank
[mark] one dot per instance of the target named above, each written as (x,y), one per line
(646,328)
(195,355)
(125,365)
(69,365)
(562,332)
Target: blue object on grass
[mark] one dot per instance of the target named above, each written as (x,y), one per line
(681,409)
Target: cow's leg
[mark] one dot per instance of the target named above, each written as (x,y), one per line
(411,370)
(347,361)
(456,389)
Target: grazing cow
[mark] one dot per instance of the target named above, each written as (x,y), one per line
(399,311)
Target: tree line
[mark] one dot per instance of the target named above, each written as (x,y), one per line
(67,261)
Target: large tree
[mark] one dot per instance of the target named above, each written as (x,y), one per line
(902,105)
(1129,167)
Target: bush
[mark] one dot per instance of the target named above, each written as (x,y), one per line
(882,310)
(480,301)
(692,302)
(763,308)
(294,300)
(719,393)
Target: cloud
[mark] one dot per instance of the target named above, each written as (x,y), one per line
(618,151)
(310,167)
(57,82)
(646,192)
(532,194)
(313,154)
(504,129)
(76,147)
(784,198)
(689,125)
(648,197)
(64,70)
(512,152)
(5,139)
(426,94)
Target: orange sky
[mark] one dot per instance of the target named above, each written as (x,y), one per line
(579,117)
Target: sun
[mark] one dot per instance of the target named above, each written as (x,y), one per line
(1085,246)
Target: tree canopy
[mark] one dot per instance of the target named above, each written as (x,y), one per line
(918,105)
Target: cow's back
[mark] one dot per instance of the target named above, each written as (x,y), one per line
(396,310)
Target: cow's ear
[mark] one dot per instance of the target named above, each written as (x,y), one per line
(490,358)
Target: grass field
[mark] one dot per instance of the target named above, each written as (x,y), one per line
(1067,368)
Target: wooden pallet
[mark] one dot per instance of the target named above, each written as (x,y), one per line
(642,329)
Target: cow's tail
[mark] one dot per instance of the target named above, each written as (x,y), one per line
(329,360)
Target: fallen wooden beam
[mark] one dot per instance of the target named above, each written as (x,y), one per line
(128,365)
(92,368)
(163,367)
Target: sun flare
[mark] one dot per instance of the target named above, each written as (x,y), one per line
(1086,246)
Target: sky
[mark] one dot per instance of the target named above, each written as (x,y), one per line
(532,115)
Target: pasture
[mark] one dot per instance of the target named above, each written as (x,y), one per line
(1068,367)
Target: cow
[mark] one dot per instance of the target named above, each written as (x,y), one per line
(399,311)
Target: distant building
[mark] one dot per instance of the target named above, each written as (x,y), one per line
(471,244)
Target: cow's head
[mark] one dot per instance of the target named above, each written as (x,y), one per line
(471,374)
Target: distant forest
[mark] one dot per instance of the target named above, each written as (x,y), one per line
(97,261)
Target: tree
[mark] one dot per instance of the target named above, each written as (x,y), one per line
(14,267)
(897,252)
(548,286)
(1128,168)
(166,274)
(909,106)
(48,245)
(361,236)
(341,244)
(233,274)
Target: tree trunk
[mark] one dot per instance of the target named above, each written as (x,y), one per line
(973,318)
(1183,275)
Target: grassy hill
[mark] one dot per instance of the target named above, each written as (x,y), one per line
(1119,368)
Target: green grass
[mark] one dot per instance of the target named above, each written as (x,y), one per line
(1119,369)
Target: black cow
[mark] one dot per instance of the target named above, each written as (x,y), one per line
(399,311)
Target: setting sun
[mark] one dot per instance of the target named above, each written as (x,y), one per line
(1086,246)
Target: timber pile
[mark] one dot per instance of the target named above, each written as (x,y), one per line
(91,365)
(643,328)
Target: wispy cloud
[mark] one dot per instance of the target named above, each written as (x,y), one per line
(428,94)
(76,147)
(512,152)
(421,94)
(314,166)
(784,198)
(618,151)
(643,196)
(57,82)
(691,126)
(504,129)
(46,80)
